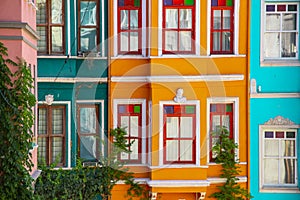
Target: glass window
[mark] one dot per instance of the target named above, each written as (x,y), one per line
(129,26)
(280,36)
(221,115)
(88,25)
(222,26)
(279,158)
(130,118)
(178,26)
(179,134)
(50,26)
(51,134)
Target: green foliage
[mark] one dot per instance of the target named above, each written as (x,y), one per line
(89,182)
(225,155)
(16,121)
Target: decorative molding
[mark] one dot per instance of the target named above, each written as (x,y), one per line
(179,98)
(17,37)
(217,180)
(178,183)
(253,86)
(274,95)
(70,80)
(20,25)
(279,120)
(174,78)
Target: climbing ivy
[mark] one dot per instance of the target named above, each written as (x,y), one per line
(16,121)
(225,155)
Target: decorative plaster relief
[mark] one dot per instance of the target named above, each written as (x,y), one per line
(279,120)
(179,98)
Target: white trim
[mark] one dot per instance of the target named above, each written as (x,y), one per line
(149,133)
(101,106)
(75,28)
(217,180)
(115,22)
(68,125)
(159,31)
(236,27)
(115,121)
(275,95)
(161,138)
(176,78)
(69,29)
(144,28)
(178,183)
(70,80)
(102,28)
(235,101)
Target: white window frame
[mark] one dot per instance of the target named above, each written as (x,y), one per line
(197,32)
(68,127)
(236,29)
(225,100)
(116,35)
(285,188)
(196,103)
(116,102)
(283,61)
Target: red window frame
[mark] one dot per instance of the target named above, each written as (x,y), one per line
(49,135)
(129,110)
(179,111)
(220,110)
(178,5)
(130,5)
(222,7)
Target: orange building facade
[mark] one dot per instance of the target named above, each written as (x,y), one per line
(177,71)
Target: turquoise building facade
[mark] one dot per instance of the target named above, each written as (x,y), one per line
(274,99)
(72,80)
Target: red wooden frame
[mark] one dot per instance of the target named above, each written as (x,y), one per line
(138,30)
(178,29)
(221,30)
(178,112)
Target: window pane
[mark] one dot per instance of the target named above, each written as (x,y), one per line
(171,18)
(56,11)
(124,41)
(42,45)
(226,121)
(288,43)
(171,40)
(57,41)
(134,41)
(186,150)
(273,22)
(272,45)
(134,126)
(88,13)
(57,121)
(172,150)
(172,127)
(186,127)
(125,123)
(287,171)
(42,150)
(134,19)
(216,41)
(271,171)
(226,19)
(41,14)
(57,149)
(88,120)
(217,19)
(88,147)
(225,41)
(88,39)
(288,148)
(124,20)
(134,150)
(185,43)
(42,126)
(289,22)
(185,18)
(124,156)
(271,148)
(216,122)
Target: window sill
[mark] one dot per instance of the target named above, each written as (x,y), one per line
(125,56)
(178,166)
(280,63)
(280,190)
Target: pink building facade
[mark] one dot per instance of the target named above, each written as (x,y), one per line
(18,34)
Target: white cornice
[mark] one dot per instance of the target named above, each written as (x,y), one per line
(70,80)
(178,183)
(176,78)
(274,95)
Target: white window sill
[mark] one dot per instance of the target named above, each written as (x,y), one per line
(280,190)
(280,63)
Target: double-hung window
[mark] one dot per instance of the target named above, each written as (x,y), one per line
(130,118)
(129,26)
(50,26)
(222,30)
(221,115)
(52,134)
(178,27)
(88,132)
(281,27)
(88,26)
(179,134)
(279,158)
